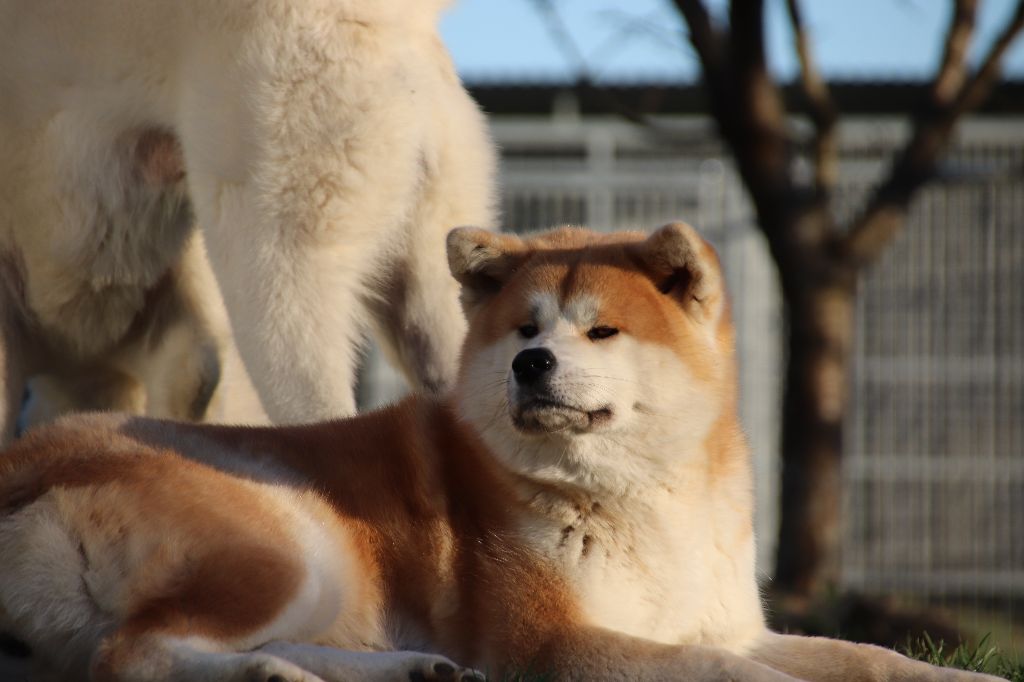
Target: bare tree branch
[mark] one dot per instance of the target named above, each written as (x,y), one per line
(746,26)
(757,130)
(563,38)
(976,90)
(745,101)
(703,36)
(887,208)
(953,68)
(820,106)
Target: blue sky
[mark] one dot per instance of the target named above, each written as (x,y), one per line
(629,40)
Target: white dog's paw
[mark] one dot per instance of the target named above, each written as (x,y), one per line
(340,665)
(424,668)
(273,669)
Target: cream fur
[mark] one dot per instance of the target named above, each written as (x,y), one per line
(619,547)
(327,147)
(643,545)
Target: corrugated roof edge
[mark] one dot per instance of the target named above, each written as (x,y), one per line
(851,96)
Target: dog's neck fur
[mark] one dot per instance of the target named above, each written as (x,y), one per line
(656,539)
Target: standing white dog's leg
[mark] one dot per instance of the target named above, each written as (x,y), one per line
(416,304)
(178,355)
(298,322)
(304,159)
(418,319)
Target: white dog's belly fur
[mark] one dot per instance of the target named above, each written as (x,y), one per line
(114,242)
(327,147)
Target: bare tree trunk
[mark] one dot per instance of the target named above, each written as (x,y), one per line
(819,334)
(818,260)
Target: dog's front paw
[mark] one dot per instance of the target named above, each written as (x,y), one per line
(261,668)
(437,669)
(918,671)
(964,676)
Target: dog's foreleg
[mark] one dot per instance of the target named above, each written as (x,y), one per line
(298,322)
(337,665)
(416,303)
(178,356)
(830,660)
(418,319)
(161,658)
(302,162)
(591,653)
(14,369)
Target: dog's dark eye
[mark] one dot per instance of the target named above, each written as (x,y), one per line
(528,331)
(598,333)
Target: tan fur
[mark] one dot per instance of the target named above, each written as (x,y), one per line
(615,548)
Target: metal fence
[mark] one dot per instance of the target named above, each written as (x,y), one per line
(934,458)
(934,462)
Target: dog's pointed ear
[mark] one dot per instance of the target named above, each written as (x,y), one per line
(482,261)
(684,266)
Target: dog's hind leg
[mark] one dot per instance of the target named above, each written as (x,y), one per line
(12,374)
(43,599)
(174,351)
(14,365)
(96,388)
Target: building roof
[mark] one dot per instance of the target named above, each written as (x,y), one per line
(851,97)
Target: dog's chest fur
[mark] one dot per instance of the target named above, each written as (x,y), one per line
(627,567)
(649,566)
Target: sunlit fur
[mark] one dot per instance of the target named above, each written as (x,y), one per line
(596,526)
(323,147)
(664,386)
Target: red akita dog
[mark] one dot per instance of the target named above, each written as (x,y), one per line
(579,506)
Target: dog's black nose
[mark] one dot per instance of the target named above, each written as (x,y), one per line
(533,363)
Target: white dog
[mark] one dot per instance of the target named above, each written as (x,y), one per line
(323,146)
(578,506)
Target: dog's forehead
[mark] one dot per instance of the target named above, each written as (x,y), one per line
(585,288)
(581,309)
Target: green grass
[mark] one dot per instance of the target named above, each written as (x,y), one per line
(981,657)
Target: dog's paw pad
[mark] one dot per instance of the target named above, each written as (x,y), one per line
(443,671)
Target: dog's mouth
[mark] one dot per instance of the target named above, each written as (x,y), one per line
(539,415)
